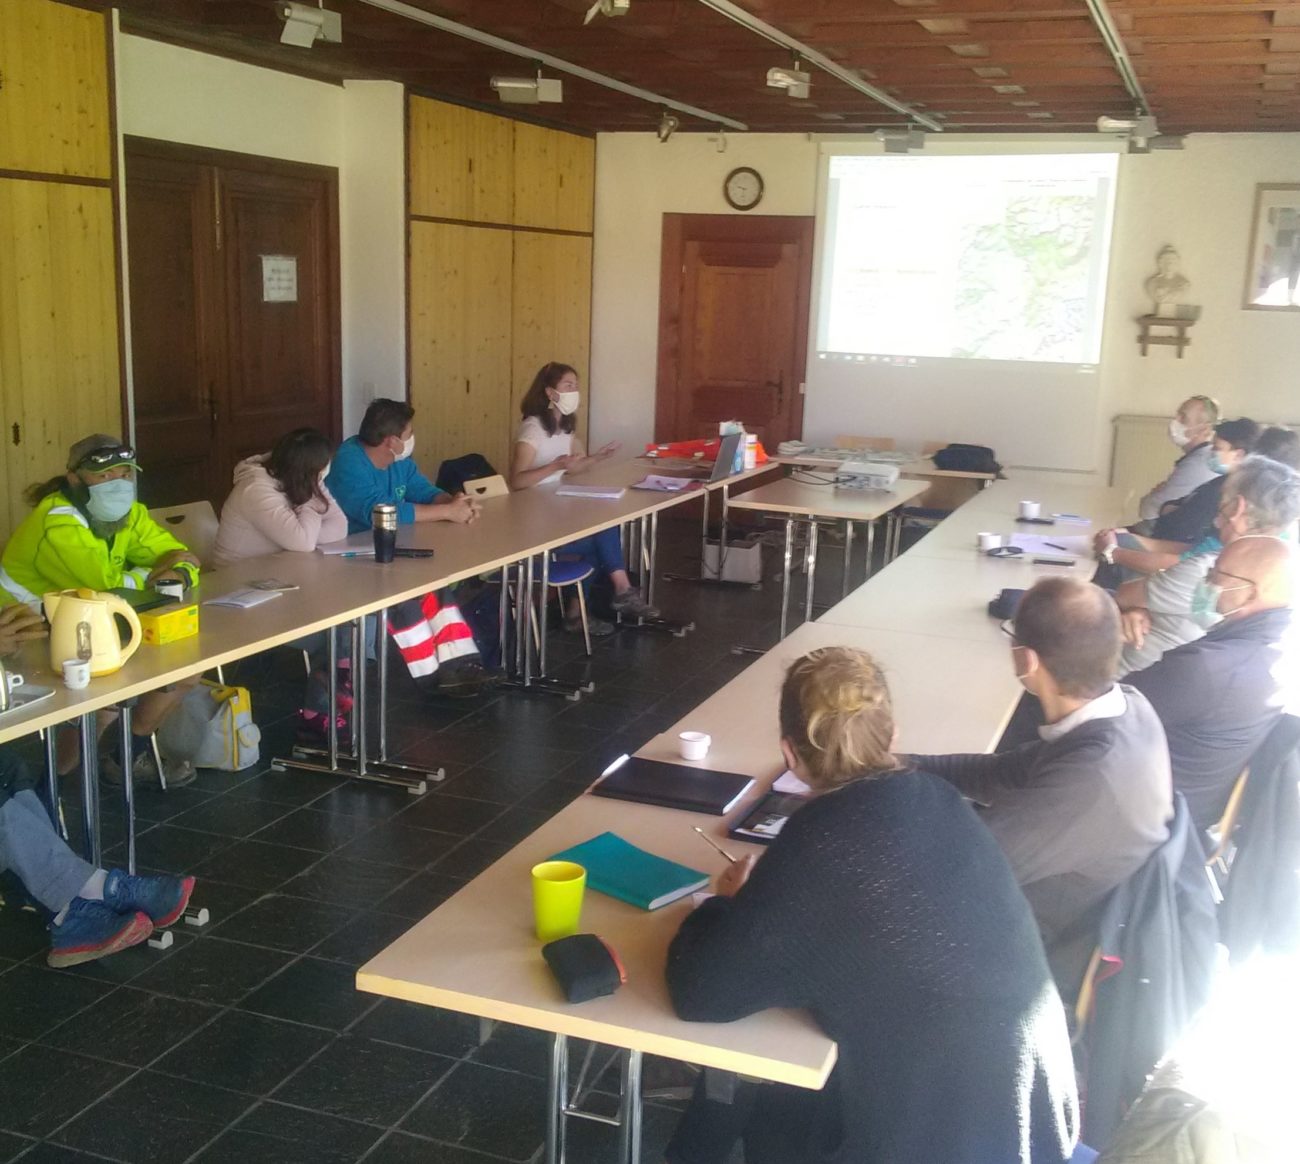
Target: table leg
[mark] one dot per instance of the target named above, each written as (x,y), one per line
(848,558)
(650,558)
(810,568)
(786,565)
(557,1099)
(871,545)
(545,603)
(382,650)
(50,741)
(629,1109)
(525,628)
(360,709)
(128,782)
(90,787)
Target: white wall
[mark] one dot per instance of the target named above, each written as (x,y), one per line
(176,94)
(1200,200)
(638,180)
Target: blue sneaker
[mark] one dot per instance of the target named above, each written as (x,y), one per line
(93,930)
(162,898)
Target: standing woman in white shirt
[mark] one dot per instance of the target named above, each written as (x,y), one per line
(545,449)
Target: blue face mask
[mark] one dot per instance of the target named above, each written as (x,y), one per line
(111,500)
(1217,466)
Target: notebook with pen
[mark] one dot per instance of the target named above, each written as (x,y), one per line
(619,869)
(673,785)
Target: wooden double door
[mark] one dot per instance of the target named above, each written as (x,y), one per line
(234,306)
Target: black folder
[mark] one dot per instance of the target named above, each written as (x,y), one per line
(673,785)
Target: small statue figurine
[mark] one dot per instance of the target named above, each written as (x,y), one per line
(1168,284)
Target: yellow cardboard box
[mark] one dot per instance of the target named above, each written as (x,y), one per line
(170,623)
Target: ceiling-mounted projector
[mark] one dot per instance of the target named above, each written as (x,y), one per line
(900,141)
(529,90)
(795,81)
(304,25)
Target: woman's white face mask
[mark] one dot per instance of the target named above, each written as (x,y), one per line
(566,403)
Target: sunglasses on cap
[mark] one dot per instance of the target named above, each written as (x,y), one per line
(108,458)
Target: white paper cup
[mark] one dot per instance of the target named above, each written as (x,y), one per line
(1030,509)
(694,745)
(76,673)
(988,541)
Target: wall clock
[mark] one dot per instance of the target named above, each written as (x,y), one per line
(743,188)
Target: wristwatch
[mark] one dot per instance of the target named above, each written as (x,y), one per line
(1108,555)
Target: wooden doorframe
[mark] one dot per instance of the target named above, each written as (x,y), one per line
(329,176)
(680,229)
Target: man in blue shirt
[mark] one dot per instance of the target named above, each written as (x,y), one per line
(375,467)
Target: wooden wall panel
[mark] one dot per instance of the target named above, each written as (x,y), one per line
(59,370)
(551,310)
(554,178)
(54,107)
(461,163)
(460,341)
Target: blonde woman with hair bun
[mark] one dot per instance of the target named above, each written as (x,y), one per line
(886,909)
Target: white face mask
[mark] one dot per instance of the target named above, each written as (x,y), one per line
(1178,432)
(325,472)
(408,447)
(566,403)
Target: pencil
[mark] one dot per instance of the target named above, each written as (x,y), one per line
(708,840)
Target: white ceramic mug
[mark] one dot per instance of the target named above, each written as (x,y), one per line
(76,674)
(1030,509)
(988,541)
(694,745)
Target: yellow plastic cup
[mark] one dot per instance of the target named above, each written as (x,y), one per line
(557,898)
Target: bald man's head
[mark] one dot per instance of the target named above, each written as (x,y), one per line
(1074,629)
(1256,573)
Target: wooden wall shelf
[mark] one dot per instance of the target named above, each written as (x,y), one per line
(1178,340)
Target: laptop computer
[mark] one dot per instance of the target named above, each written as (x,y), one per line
(722,467)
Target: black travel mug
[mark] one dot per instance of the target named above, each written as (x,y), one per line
(383,518)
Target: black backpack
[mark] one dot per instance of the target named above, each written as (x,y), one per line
(967,459)
(453,474)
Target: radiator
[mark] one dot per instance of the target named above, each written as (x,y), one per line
(1141,453)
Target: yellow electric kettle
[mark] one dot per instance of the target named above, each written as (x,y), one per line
(82,627)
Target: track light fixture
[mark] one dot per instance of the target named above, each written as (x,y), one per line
(668,125)
(795,80)
(1143,136)
(607,8)
(901,141)
(529,90)
(305,25)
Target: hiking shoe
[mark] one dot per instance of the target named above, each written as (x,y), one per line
(145,771)
(160,898)
(597,628)
(466,678)
(93,930)
(631,605)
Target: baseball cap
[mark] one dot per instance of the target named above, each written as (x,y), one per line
(99,452)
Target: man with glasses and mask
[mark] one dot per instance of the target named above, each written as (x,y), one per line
(1219,696)
(88,530)
(1078,810)
(1261,499)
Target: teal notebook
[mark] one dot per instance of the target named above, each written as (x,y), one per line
(620,869)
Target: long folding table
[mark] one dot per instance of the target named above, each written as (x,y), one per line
(953,689)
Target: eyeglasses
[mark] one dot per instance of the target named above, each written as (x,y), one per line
(1008,627)
(109,456)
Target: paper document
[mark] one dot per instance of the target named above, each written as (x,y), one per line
(243,599)
(1075,545)
(348,549)
(607,492)
(667,484)
(789,782)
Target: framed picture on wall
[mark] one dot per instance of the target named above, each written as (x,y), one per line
(1273,270)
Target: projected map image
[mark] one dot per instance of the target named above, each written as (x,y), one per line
(964,257)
